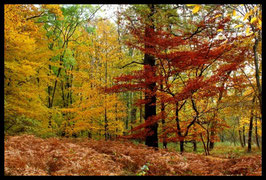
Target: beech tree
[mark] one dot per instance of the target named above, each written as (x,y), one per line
(26,54)
(94,112)
(204,66)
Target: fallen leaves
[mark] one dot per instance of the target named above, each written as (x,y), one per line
(29,155)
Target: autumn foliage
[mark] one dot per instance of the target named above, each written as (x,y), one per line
(80,88)
(188,67)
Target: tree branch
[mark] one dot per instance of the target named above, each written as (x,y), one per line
(92,15)
(133,62)
(35,16)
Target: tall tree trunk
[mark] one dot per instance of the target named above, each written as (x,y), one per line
(214,123)
(204,145)
(133,116)
(63,94)
(251,125)
(49,98)
(127,117)
(256,63)
(140,110)
(256,133)
(212,134)
(116,120)
(105,124)
(163,121)
(239,133)
(70,86)
(106,135)
(208,142)
(55,83)
(150,107)
(244,136)
(240,138)
(257,38)
(180,137)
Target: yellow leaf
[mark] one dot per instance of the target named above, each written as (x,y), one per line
(255,8)
(259,21)
(196,9)
(219,30)
(247,30)
(248,34)
(218,15)
(234,12)
(251,12)
(240,25)
(253,19)
(190,4)
(246,16)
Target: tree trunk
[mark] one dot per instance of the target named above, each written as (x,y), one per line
(49,98)
(244,136)
(163,126)
(208,142)
(150,110)
(194,146)
(256,134)
(214,123)
(204,145)
(181,146)
(133,116)
(89,135)
(140,110)
(163,121)
(239,133)
(250,133)
(127,117)
(106,135)
(251,126)
(181,139)
(211,144)
(257,73)
(105,124)
(240,138)
(150,107)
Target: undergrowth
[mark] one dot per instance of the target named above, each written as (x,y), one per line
(29,155)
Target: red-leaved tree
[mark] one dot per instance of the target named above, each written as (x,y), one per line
(179,68)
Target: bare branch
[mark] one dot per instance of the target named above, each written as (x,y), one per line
(92,15)
(35,16)
(133,62)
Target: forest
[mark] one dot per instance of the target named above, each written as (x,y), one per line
(133,89)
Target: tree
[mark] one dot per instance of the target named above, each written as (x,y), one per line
(26,53)
(92,111)
(200,66)
(251,14)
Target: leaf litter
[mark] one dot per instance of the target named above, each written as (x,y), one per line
(28,155)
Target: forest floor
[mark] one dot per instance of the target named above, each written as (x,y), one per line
(29,155)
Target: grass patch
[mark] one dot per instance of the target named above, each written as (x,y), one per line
(221,149)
